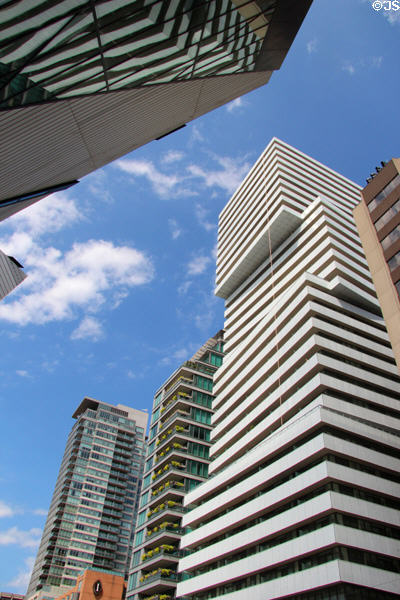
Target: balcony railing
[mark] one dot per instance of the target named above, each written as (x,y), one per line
(163,554)
(167,529)
(168,507)
(151,578)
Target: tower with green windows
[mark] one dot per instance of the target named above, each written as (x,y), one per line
(83,82)
(177,461)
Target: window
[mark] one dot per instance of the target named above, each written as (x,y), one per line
(139,537)
(216,360)
(141,518)
(157,400)
(384,193)
(391,238)
(394,262)
(153,431)
(200,433)
(201,416)
(202,398)
(132,581)
(197,468)
(143,499)
(203,382)
(135,558)
(155,415)
(198,450)
(146,480)
(387,216)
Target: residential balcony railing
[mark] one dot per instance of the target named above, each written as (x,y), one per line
(183,414)
(165,554)
(181,399)
(181,381)
(166,435)
(172,576)
(162,530)
(199,367)
(176,486)
(169,506)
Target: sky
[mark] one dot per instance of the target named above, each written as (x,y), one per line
(121,267)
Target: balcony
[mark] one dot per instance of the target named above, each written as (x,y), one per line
(172,465)
(168,486)
(178,414)
(165,529)
(164,552)
(166,575)
(169,505)
(182,381)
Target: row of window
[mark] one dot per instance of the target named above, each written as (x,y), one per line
(391,237)
(338,553)
(387,216)
(335,487)
(334,518)
(384,193)
(394,262)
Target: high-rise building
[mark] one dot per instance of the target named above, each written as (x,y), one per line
(303,498)
(82,83)
(378,221)
(92,514)
(177,461)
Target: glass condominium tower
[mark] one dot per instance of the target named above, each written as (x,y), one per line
(303,498)
(85,82)
(177,461)
(92,514)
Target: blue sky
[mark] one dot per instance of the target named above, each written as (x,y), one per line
(121,267)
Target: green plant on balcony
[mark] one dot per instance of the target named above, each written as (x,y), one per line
(177,464)
(166,572)
(169,431)
(167,547)
(177,446)
(171,503)
(179,484)
(168,524)
(179,428)
(164,597)
(183,394)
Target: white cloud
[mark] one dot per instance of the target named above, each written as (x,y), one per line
(201,215)
(19,537)
(179,355)
(184,287)
(40,512)
(172,156)
(393,16)
(198,265)
(377,61)
(21,580)
(235,105)
(46,216)
(196,135)
(174,228)
(89,328)
(6,510)
(229,177)
(162,183)
(349,68)
(82,278)
(22,373)
(97,184)
(312,46)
